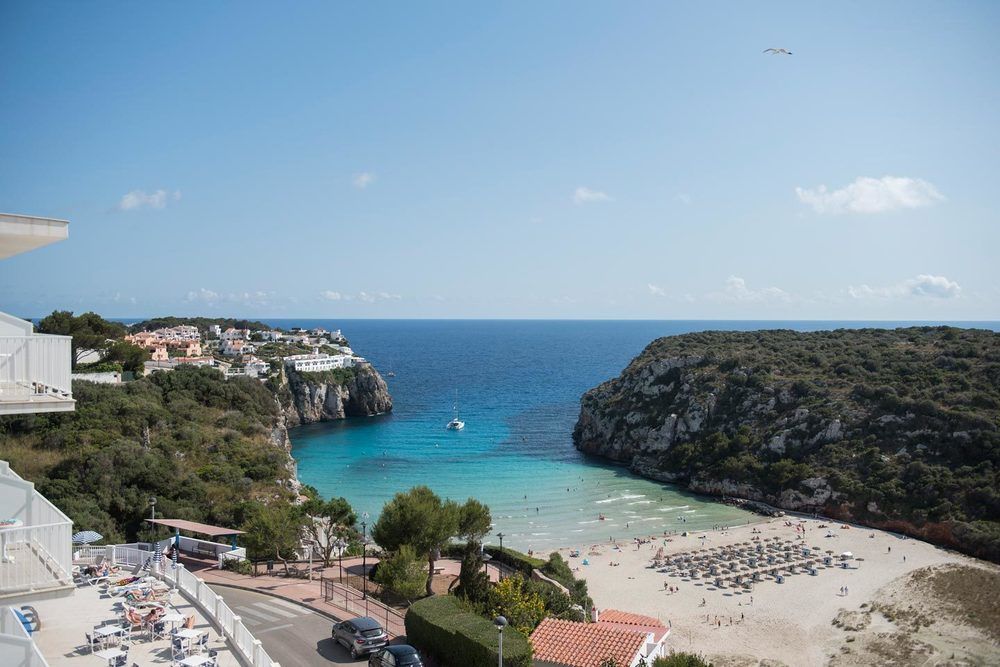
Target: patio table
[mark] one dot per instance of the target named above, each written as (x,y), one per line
(110,654)
(196,660)
(105,632)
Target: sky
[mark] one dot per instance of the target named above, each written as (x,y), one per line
(517,159)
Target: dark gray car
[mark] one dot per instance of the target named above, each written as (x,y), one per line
(360,636)
(400,655)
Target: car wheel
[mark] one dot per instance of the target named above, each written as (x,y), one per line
(354,654)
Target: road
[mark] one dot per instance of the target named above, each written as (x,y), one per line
(291,634)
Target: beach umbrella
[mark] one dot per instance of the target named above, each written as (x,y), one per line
(158,554)
(87,537)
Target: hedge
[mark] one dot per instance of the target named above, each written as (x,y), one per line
(443,627)
(523,563)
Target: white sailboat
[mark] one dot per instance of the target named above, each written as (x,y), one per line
(456,424)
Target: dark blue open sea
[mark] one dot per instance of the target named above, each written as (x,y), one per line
(518,385)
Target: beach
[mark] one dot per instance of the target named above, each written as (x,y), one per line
(791,622)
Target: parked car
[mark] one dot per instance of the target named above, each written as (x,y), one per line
(360,636)
(400,655)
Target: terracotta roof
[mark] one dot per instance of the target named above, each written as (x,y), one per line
(628,618)
(584,644)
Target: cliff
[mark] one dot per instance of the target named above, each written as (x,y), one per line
(892,428)
(307,398)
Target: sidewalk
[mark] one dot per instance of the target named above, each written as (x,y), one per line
(302,591)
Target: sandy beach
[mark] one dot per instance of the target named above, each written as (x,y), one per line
(790,622)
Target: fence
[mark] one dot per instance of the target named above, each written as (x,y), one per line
(35,364)
(16,646)
(208,601)
(355,602)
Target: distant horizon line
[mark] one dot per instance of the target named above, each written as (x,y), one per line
(545,319)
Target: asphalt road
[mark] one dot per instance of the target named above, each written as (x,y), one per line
(291,634)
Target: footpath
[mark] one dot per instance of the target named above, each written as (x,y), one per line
(340,602)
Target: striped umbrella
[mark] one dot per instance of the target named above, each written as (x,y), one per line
(87,537)
(158,554)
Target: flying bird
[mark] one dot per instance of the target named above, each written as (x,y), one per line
(778,52)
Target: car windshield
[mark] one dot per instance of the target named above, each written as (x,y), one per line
(374,632)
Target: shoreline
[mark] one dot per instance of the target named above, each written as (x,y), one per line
(793,621)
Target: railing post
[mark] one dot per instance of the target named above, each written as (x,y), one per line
(232,631)
(254,651)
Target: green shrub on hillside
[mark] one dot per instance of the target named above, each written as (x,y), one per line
(457,637)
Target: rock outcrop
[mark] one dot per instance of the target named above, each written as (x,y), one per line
(308,398)
(870,425)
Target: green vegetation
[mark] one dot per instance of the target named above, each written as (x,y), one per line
(681,660)
(518,602)
(330,520)
(403,573)
(198,443)
(445,628)
(420,519)
(90,331)
(204,324)
(902,425)
(339,376)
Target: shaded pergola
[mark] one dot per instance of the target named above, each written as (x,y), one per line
(194,527)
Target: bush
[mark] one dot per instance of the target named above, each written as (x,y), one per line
(403,573)
(523,563)
(681,660)
(514,599)
(443,627)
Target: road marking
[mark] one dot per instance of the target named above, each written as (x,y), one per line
(275,610)
(291,605)
(277,627)
(256,615)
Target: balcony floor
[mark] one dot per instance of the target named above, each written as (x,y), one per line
(13,403)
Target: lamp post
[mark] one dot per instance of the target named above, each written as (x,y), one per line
(500,622)
(152,507)
(364,554)
(499,568)
(486,558)
(341,545)
(312,544)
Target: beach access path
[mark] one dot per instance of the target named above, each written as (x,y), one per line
(790,622)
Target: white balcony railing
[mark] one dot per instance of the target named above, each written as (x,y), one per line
(35,553)
(16,646)
(35,373)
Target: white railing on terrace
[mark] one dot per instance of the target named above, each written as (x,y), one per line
(32,366)
(16,646)
(37,554)
(212,606)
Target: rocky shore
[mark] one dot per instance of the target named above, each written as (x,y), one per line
(893,429)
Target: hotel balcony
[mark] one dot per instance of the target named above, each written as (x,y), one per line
(34,368)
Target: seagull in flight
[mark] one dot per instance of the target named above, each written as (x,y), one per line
(778,52)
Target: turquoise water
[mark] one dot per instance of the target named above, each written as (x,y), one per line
(519,385)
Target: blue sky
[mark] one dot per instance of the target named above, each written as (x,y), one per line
(505,159)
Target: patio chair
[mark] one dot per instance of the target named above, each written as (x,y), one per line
(92,641)
(122,660)
(158,630)
(201,644)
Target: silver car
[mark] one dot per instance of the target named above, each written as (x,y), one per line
(360,636)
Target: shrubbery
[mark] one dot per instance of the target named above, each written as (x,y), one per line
(458,637)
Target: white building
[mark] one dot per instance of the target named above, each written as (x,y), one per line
(236,347)
(236,334)
(270,336)
(315,363)
(256,368)
(34,368)
(217,330)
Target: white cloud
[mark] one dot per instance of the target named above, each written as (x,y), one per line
(736,290)
(202,294)
(584,195)
(330,295)
(683,198)
(137,199)
(934,287)
(655,290)
(372,297)
(363,179)
(871,195)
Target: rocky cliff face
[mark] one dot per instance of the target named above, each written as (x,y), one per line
(860,425)
(309,400)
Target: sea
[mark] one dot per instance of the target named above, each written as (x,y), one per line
(517,386)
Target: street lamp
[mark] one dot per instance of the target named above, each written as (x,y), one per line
(500,622)
(152,507)
(311,543)
(486,558)
(364,553)
(500,569)
(341,545)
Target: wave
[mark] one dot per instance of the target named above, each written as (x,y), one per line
(671,509)
(641,502)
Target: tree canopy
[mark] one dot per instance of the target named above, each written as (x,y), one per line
(90,331)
